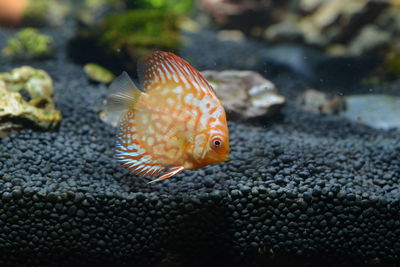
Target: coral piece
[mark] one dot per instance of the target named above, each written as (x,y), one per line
(371,39)
(330,22)
(29,44)
(244,15)
(26,98)
(285,31)
(245,94)
(316,101)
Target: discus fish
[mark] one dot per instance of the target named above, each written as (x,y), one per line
(176,122)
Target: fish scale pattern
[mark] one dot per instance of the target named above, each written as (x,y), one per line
(304,190)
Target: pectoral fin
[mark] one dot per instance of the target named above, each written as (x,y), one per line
(123,94)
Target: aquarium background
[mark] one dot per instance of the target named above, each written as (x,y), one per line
(311,90)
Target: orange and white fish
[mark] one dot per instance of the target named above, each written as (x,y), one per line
(176,123)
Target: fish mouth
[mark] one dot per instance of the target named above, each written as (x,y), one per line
(223,158)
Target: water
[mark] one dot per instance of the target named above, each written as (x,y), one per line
(312,182)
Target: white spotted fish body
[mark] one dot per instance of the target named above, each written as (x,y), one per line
(177,123)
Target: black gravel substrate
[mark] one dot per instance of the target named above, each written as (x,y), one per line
(302,190)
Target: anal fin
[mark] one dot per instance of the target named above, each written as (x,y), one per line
(169,173)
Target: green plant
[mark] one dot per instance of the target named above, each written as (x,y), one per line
(28,43)
(177,6)
(392,63)
(141,30)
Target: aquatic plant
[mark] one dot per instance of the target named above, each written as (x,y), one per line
(388,69)
(120,32)
(28,43)
(392,63)
(179,6)
(140,31)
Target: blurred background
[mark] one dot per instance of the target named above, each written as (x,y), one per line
(337,47)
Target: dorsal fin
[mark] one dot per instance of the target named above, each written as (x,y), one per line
(163,68)
(123,93)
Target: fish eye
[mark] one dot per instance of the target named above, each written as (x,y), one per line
(216,142)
